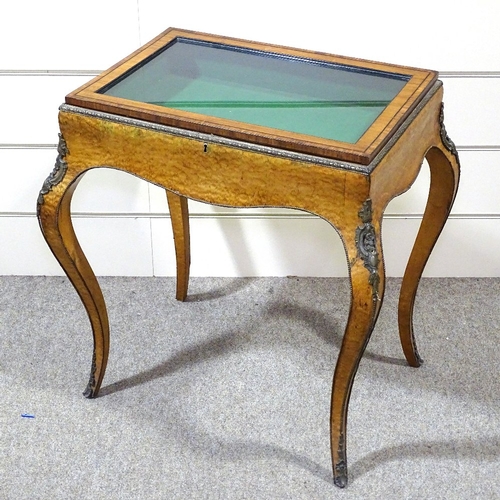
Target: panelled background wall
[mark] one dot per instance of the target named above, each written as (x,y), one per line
(49,48)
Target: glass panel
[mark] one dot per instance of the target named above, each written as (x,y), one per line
(293,94)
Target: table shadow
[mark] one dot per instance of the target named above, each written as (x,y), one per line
(326,329)
(483,449)
(230,288)
(324,326)
(201,352)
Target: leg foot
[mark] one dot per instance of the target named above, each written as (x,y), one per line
(90,391)
(340,473)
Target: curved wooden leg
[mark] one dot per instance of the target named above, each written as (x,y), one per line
(55,221)
(367,282)
(445,172)
(179,215)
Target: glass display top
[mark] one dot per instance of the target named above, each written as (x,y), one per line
(287,93)
(268,95)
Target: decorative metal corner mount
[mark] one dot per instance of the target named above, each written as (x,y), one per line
(366,243)
(57,175)
(445,138)
(340,472)
(90,389)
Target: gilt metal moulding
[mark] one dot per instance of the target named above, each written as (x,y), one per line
(57,175)
(366,243)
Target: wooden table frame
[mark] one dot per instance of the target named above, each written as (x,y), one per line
(229,171)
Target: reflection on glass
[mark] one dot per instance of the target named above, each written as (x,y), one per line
(293,94)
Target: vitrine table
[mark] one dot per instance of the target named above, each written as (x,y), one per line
(244,124)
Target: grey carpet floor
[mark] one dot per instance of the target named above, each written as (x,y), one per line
(227,396)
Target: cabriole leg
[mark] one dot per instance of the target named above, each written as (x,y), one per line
(54,216)
(445,172)
(367,281)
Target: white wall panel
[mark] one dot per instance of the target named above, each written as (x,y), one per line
(254,247)
(58,34)
(106,190)
(23,250)
(477,193)
(479,184)
(122,246)
(100,191)
(472,110)
(23,172)
(30,104)
(55,46)
(116,245)
(445,35)
(309,247)
(467,247)
(113,246)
